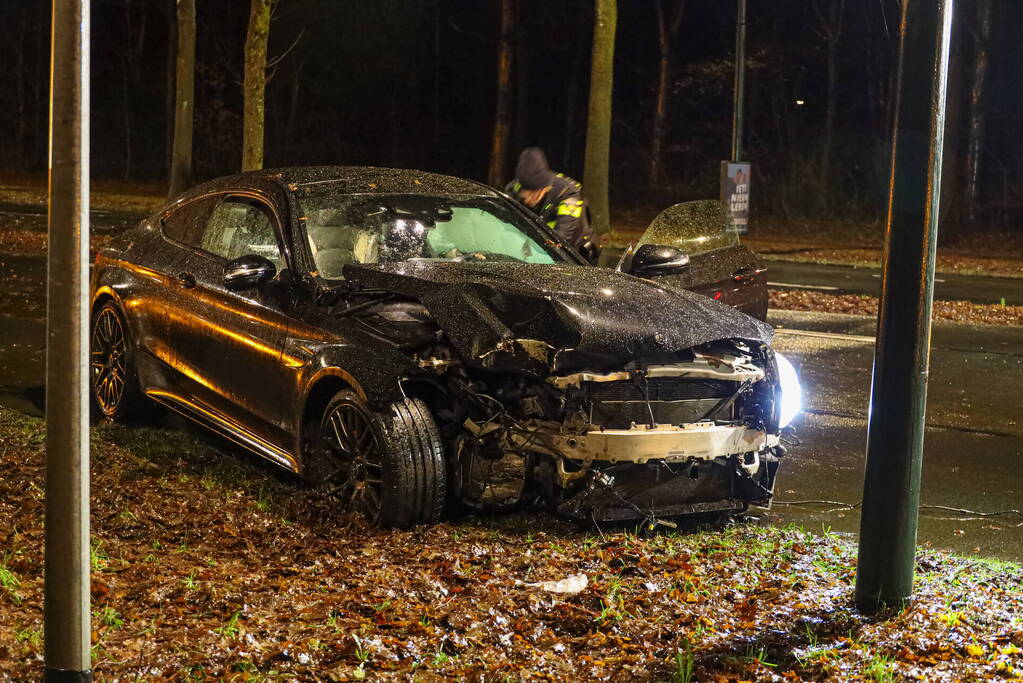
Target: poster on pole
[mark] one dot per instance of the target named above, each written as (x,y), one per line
(735,182)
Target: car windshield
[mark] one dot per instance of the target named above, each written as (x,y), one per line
(345,229)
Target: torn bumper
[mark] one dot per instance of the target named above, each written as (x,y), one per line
(668,471)
(670,443)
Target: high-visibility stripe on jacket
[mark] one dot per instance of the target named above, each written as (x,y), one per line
(563,209)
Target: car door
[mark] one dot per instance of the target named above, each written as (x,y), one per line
(229,344)
(153,298)
(719,266)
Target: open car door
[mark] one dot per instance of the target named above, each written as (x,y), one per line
(719,267)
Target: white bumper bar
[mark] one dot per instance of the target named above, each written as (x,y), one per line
(700,440)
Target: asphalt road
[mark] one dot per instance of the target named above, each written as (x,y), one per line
(973,452)
(974,437)
(854,280)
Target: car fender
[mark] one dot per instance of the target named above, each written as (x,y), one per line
(374,374)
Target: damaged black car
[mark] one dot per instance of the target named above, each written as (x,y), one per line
(413,343)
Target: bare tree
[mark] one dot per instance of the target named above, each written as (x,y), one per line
(135,23)
(181,155)
(598,128)
(978,97)
(831,31)
(172,58)
(666,33)
(502,114)
(254,87)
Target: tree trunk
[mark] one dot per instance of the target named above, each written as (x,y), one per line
(598,128)
(126,115)
(19,73)
(521,105)
(978,97)
(436,81)
(254,88)
(833,33)
(181,157)
(665,36)
(172,58)
(502,114)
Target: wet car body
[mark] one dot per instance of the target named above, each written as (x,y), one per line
(719,266)
(488,378)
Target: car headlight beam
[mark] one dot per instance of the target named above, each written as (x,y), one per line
(791,391)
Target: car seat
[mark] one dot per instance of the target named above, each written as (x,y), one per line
(335,245)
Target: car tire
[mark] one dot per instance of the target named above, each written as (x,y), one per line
(387,465)
(113,376)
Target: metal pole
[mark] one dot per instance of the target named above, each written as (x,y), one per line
(66,591)
(895,436)
(739,95)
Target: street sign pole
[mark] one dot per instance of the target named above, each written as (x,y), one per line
(739,90)
(66,618)
(895,432)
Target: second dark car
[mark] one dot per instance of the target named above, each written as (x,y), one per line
(407,340)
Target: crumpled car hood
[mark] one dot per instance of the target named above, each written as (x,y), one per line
(483,306)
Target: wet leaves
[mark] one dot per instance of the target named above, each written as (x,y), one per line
(859,304)
(207,564)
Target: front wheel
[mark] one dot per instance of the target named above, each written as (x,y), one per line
(386,465)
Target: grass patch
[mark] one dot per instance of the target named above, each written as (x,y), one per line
(182,543)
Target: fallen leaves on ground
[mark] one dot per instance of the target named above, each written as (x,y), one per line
(207,564)
(861,304)
(107,195)
(948,262)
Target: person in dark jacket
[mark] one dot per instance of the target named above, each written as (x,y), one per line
(556,198)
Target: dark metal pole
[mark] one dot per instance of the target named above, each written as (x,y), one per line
(66,586)
(739,94)
(891,489)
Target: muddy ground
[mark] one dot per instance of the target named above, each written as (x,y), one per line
(207,564)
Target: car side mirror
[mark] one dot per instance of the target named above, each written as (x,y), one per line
(651,260)
(246,272)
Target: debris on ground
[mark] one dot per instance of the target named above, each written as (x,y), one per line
(209,565)
(576,583)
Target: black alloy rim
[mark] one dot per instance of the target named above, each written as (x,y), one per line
(352,449)
(108,361)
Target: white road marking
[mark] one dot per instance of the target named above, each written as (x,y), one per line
(826,335)
(792,285)
(937,279)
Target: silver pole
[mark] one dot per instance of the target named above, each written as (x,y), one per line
(66,591)
(739,87)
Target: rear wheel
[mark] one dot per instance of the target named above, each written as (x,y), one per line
(113,379)
(387,465)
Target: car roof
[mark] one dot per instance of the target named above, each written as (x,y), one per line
(314,180)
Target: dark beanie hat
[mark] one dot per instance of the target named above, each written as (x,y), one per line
(532,170)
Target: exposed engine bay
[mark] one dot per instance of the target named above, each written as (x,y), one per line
(595,433)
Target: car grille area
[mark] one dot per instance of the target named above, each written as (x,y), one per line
(617,405)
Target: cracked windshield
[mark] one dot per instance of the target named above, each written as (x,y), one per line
(352,229)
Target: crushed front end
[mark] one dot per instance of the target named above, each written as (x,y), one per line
(683,433)
(600,395)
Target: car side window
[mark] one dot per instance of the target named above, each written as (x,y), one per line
(240,226)
(187,223)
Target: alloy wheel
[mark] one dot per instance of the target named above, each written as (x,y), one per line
(107,361)
(353,451)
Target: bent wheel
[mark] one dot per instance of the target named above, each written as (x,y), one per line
(112,376)
(387,466)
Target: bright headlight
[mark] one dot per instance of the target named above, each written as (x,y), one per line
(791,392)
